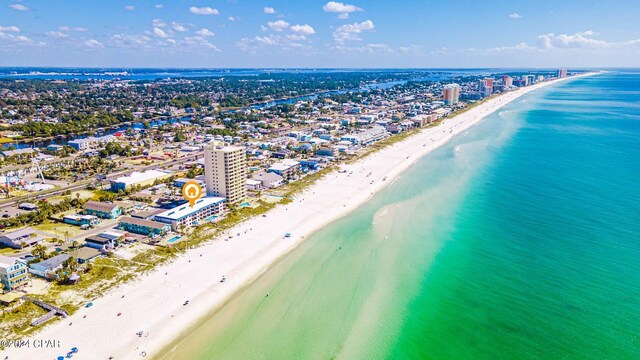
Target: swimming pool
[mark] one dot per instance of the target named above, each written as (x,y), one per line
(211,218)
(173,239)
(245,204)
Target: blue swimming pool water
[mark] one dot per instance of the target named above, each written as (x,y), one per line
(173,239)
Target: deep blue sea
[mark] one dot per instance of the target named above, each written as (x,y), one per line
(519,239)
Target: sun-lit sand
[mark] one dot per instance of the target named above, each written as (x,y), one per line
(153,304)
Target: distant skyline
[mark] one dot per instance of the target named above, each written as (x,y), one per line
(322,34)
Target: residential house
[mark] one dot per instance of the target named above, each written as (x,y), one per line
(13,272)
(47,268)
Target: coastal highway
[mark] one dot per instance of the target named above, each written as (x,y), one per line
(4,203)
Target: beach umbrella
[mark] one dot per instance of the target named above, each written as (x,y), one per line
(60,357)
(74,349)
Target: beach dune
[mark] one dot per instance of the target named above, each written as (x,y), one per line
(153,303)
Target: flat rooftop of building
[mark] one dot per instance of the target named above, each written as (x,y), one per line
(143,222)
(185,210)
(136,176)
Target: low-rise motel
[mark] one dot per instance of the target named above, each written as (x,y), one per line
(204,209)
(144,227)
(102,209)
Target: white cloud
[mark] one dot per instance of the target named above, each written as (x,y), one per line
(303,29)
(176,26)
(269,10)
(158,6)
(19,7)
(369,48)
(233,18)
(352,31)
(92,43)
(9,29)
(158,23)
(205,32)
(71,28)
(515,16)
(129,41)
(286,42)
(130,7)
(198,42)
(278,25)
(203,10)
(160,33)
(578,40)
(341,8)
(56,34)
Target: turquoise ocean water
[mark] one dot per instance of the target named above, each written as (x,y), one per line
(520,239)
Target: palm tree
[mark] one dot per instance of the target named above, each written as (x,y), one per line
(39,251)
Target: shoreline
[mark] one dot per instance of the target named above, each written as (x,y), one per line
(153,303)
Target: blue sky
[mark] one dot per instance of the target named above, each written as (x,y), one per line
(308,33)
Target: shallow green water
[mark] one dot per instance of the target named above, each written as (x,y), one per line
(518,240)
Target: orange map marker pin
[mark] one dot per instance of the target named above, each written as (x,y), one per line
(191,191)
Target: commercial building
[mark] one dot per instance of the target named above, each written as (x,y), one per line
(451,94)
(139,178)
(562,73)
(367,136)
(286,168)
(423,120)
(225,170)
(13,272)
(144,227)
(19,238)
(269,180)
(91,142)
(102,209)
(180,182)
(184,215)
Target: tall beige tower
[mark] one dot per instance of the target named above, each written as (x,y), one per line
(225,172)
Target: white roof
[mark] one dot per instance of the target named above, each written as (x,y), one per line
(6,261)
(136,176)
(183,210)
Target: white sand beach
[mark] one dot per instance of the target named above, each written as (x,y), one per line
(153,304)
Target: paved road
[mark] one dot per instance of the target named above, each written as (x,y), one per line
(83,184)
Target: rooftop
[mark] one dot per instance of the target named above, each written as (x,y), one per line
(136,176)
(143,222)
(19,233)
(185,210)
(99,206)
(52,262)
(6,261)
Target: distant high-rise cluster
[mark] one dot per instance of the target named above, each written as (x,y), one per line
(451,94)
(485,87)
(507,81)
(562,73)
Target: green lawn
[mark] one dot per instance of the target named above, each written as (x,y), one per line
(59,228)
